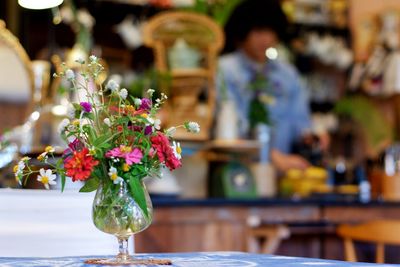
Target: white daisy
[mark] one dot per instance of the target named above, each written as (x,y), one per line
(177,149)
(46,177)
(113,173)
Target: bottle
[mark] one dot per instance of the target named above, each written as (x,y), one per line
(364,191)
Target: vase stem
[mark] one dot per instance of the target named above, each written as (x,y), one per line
(123,254)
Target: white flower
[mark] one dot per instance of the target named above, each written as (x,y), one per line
(171,131)
(46,177)
(113,173)
(151,92)
(19,168)
(69,74)
(112,85)
(192,127)
(63,124)
(107,121)
(93,58)
(176,146)
(123,93)
(137,102)
(157,124)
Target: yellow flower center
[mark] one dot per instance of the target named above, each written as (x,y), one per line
(40,157)
(15,169)
(49,149)
(75,122)
(25,159)
(179,150)
(125,149)
(144,115)
(113,176)
(45,179)
(130,108)
(125,167)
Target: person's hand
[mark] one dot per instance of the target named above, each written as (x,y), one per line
(284,162)
(324,140)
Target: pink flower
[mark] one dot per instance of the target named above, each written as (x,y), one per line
(115,152)
(126,152)
(133,157)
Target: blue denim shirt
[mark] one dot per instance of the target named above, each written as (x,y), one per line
(289,114)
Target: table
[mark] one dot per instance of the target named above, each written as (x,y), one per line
(197,259)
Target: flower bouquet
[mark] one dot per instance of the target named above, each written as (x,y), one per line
(114,142)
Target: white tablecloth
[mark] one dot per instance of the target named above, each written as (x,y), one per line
(48,223)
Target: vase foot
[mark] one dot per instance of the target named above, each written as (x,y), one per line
(115,262)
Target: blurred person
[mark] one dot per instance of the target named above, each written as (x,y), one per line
(263,88)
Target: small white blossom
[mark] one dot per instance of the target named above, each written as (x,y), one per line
(112,85)
(69,74)
(192,127)
(171,131)
(113,174)
(46,177)
(93,58)
(151,92)
(176,146)
(137,102)
(63,124)
(107,121)
(164,96)
(123,93)
(157,124)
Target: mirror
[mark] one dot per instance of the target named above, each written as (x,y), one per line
(16,81)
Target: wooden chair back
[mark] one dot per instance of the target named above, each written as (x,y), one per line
(380,232)
(206,37)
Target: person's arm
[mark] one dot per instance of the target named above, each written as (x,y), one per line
(283,162)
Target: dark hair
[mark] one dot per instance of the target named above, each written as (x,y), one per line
(254,14)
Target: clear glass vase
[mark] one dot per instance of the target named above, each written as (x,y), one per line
(116,212)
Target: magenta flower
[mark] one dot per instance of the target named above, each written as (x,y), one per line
(146,104)
(133,157)
(148,130)
(87,107)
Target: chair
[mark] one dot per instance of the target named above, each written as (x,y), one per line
(380,232)
(16,80)
(186,46)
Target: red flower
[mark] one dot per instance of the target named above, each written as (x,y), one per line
(164,151)
(79,165)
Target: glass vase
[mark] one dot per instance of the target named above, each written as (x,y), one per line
(116,212)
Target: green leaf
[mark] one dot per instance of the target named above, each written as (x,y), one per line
(138,193)
(90,185)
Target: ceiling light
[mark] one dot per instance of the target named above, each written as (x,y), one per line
(39,4)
